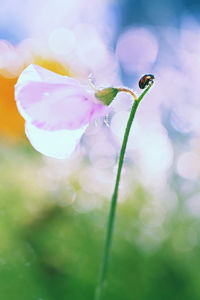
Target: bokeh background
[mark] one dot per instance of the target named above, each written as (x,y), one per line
(53,212)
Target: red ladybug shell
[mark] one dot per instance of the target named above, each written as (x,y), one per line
(146,80)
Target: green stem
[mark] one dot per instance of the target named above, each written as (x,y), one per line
(111,217)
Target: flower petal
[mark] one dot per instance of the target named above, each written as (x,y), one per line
(58,144)
(39,74)
(54,102)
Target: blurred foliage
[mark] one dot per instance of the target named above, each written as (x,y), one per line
(52,252)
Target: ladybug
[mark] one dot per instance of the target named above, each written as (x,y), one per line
(146,80)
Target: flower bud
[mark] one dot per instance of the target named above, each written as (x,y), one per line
(106,95)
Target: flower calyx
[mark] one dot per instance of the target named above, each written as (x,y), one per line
(107,95)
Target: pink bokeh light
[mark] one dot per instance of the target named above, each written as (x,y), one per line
(137,50)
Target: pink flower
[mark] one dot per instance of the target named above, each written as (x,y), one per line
(56,108)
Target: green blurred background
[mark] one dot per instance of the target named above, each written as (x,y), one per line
(52,250)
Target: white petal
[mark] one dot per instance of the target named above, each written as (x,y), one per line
(53,102)
(58,144)
(36,73)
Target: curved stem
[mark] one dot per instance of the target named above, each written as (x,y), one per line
(111,217)
(127,91)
